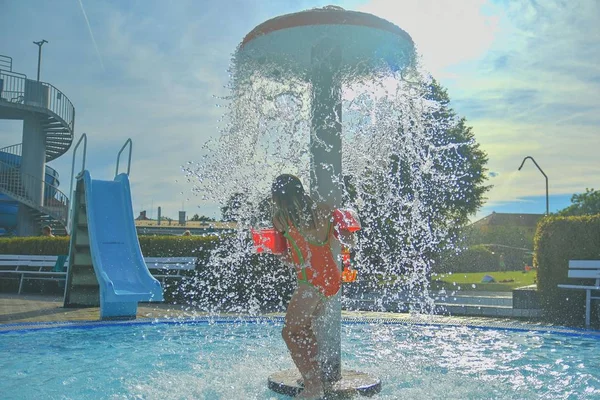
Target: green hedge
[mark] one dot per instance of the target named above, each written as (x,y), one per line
(177,246)
(515,259)
(36,245)
(256,284)
(473,259)
(152,246)
(558,240)
(237,280)
(228,276)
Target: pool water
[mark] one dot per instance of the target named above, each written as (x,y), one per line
(232,360)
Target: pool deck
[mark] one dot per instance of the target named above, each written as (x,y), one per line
(24,308)
(28,311)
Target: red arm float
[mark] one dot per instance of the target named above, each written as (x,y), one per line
(345,220)
(269,240)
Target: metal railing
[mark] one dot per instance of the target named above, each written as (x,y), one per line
(26,189)
(84,139)
(12,157)
(5,62)
(16,88)
(130,143)
(14,149)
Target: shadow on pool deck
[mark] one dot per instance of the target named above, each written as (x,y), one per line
(35,308)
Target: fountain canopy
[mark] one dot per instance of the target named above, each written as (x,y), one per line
(285,43)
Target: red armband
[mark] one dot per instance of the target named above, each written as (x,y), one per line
(346,220)
(269,240)
(348,274)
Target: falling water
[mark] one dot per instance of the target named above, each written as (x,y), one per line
(401,175)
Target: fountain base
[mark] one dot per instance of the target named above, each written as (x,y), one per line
(288,382)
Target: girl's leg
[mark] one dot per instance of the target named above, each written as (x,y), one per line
(300,338)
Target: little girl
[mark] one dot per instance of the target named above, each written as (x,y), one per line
(308,228)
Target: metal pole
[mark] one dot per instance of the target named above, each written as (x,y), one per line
(40,44)
(128,141)
(547,199)
(545,176)
(325,182)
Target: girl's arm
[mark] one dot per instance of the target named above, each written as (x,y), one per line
(286,257)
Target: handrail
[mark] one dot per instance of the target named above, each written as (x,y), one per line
(6,61)
(8,149)
(12,150)
(16,88)
(119,157)
(13,73)
(16,150)
(84,138)
(18,185)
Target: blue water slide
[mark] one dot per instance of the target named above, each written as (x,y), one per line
(123,277)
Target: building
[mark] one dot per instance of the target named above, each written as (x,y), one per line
(505,230)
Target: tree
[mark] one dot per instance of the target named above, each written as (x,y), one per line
(587,203)
(232,210)
(264,216)
(202,218)
(467,158)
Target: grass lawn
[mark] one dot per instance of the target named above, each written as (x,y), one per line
(471,281)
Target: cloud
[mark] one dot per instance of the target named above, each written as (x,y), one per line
(166,68)
(535,91)
(87,21)
(444,32)
(526,75)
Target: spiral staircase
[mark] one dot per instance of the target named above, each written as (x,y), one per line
(22,98)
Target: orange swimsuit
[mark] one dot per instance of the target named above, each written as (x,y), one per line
(314,261)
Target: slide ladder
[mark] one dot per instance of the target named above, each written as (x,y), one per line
(106,265)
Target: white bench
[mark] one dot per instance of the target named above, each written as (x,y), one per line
(586,269)
(23,267)
(30,267)
(170,267)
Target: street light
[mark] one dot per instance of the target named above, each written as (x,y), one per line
(40,44)
(545,176)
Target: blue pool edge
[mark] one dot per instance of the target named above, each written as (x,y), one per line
(22,327)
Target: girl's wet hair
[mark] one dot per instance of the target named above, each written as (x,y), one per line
(291,202)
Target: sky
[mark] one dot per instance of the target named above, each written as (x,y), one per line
(524,73)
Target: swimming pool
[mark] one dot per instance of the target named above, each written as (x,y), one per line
(231,359)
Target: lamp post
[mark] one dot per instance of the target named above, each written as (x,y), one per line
(40,44)
(545,176)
